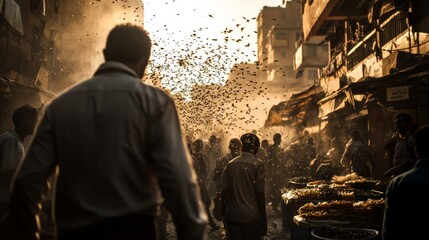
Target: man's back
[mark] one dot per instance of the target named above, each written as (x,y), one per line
(244,178)
(103,132)
(114,138)
(406,200)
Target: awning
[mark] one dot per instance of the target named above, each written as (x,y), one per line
(392,90)
(296,110)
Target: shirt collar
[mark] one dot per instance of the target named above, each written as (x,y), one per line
(247,154)
(115,66)
(21,139)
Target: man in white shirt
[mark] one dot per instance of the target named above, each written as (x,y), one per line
(24,120)
(118,145)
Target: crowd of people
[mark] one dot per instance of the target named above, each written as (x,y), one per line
(121,163)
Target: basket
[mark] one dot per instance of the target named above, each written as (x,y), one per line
(344,233)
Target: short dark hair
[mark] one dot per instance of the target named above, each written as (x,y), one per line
(234,143)
(249,143)
(355,134)
(421,139)
(405,116)
(127,43)
(21,114)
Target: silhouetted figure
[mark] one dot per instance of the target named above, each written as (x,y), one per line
(212,152)
(234,151)
(116,142)
(199,166)
(400,148)
(24,120)
(243,194)
(198,154)
(297,163)
(275,159)
(357,157)
(335,153)
(406,196)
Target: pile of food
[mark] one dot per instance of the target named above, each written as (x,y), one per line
(342,210)
(318,183)
(349,177)
(361,184)
(316,194)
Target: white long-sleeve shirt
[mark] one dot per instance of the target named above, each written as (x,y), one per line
(11,153)
(116,142)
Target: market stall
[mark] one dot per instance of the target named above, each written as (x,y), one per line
(347,201)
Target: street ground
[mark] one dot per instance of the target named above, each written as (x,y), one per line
(275,231)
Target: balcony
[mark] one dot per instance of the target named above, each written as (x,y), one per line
(391,28)
(311,55)
(319,15)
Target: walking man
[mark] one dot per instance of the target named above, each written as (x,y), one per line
(116,142)
(243,194)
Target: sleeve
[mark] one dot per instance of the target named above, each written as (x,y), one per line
(9,154)
(345,159)
(217,172)
(260,179)
(388,228)
(30,182)
(176,175)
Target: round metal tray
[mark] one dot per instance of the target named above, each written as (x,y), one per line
(344,233)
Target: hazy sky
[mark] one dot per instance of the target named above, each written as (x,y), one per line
(200,40)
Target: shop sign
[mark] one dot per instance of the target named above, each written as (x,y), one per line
(397,93)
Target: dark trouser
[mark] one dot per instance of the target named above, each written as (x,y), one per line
(243,231)
(131,227)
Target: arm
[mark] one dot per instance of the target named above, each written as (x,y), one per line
(224,192)
(260,198)
(29,183)
(176,177)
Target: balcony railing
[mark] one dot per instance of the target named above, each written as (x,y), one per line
(391,28)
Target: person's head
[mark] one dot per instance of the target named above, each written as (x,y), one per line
(265,143)
(277,138)
(129,44)
(235,146)
(212,139)
(355,135)
(24,119)
(421,142)
(402,122)
(250,143)
(197,146)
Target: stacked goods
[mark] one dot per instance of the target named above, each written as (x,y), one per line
(363,211)
(318,194)
(361,183)
(317,183)
(334,210)
(372,209)
(349,177)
